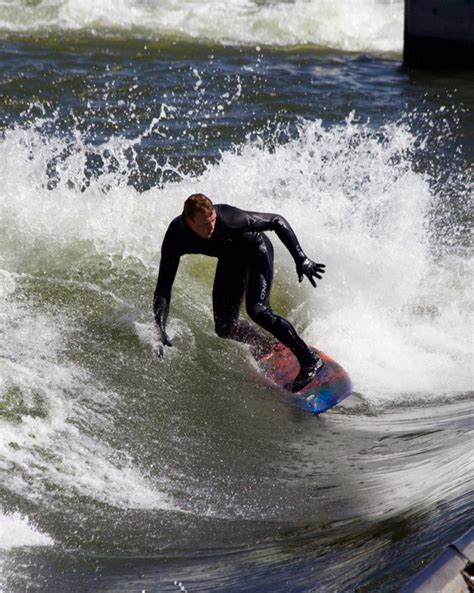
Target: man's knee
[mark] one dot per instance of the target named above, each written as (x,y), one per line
(260,313)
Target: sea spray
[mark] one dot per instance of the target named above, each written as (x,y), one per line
(390,308)
(358,204)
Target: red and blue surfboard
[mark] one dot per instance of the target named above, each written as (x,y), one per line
(330,386)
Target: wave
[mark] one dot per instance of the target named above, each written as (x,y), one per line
(86,414)
(51,413)
(393,307)
(348,25)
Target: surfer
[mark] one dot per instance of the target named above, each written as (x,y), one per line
(244,268)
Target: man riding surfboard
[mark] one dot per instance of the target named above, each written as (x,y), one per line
(244,268)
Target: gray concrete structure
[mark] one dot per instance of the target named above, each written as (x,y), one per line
(439,33)
(451,572)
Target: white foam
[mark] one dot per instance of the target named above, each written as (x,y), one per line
(54,414)
(17,531)
(395,316)
(353,25)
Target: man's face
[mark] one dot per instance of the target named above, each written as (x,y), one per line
(203,223)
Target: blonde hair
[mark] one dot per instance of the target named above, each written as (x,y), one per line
(197,203)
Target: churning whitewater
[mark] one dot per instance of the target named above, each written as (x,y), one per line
(347,191)
(348,25)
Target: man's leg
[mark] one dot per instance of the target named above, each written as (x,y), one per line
(259,285)
(227,296)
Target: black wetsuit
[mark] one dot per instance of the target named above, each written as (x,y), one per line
(245,267)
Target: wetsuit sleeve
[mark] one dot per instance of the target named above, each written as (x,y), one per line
(244,221)
(169,263)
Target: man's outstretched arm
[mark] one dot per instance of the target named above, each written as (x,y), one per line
(262,221)
(304,265)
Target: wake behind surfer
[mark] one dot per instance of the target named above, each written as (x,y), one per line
(244,269)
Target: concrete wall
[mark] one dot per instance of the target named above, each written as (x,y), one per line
(439,33)
(452,572)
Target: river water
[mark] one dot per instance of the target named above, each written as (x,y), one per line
(120,473)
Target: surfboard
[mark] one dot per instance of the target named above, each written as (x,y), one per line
(330,386)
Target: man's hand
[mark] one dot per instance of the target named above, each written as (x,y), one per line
(163,340)
(309,269)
